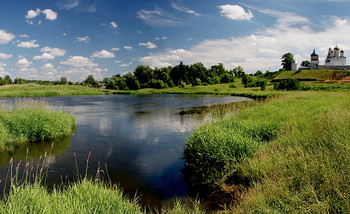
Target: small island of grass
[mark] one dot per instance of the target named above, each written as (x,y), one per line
(31,121)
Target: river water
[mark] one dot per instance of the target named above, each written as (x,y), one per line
(139,138)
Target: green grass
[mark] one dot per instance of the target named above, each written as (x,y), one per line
(220,89)
(31,121)
(293,151)
(82,197)
(34,90)
(318,74)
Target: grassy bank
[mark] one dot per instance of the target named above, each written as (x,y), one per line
(82,197)
(31,121)
(291,154)
(34,90)
(220,89)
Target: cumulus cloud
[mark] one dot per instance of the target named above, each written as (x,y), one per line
(28,44)
(84,39)
(115,49)
(53,51)
(261,50)
(114,25)
(48,67)
(102,54)
(79,62)
(32,13)
(50,14)
(23,63)
(5,37)
(235,12)
(5,56)
(44,56)
(23,36)
(148,45)
(128,47)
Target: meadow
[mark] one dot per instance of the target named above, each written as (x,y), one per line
(35,90)
(287,154)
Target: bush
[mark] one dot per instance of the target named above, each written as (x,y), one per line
(289,84)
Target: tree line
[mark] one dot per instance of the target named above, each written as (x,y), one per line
(180,75)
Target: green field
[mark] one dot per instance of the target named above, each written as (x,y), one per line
(320,75)
(34,90)
(289,154)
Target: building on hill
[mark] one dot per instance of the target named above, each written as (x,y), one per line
(294,66)
(314,63)
(335,57)
(335,60)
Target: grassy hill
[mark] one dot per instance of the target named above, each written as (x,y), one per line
(320,75)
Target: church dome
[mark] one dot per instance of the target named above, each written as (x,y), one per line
(314,53)
(342,51)
(336,48)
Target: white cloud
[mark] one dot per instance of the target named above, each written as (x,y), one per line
(5,37)
(128,47)
(32,13)
(262,50)
(5,56)
(2,69)
(23,63)
(50,14)
(48,67)
(79,62)
(235,12)
(157,17)
(30,22)
(70,5)
(114,25)
(64,34)
(84,39)
(148,45)
(115,49)
(44,56)
(126,64)
(184,9)
(161,38)
(28,44)
(23,36)
(102,54)
(53,51)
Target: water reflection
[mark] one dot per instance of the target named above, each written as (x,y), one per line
(139,138)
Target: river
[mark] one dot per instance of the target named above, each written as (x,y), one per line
(139,138)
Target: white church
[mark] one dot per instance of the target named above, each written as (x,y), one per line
(335,60)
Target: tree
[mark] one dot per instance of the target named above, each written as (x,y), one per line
(287,61)
(144,74)
(306,63)
(90,80)
(131,82)
(63,80)
(7,80)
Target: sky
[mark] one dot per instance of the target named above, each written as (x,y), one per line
(45,40)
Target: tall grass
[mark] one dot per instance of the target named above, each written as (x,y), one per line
(293,151)
(31,121)
(34,90)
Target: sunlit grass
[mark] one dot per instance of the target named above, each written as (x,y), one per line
(34,90)
(31,121)
(294,151)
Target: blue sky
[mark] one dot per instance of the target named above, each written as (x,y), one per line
(41,39)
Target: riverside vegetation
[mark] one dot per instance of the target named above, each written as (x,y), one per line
(31,121)
(286,153)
